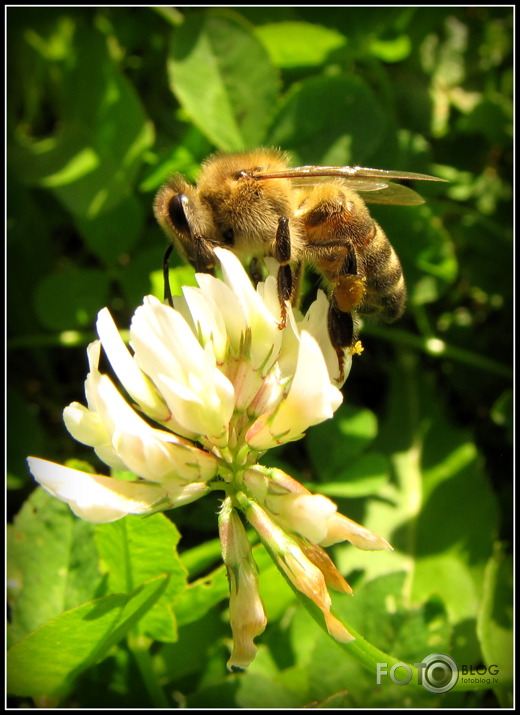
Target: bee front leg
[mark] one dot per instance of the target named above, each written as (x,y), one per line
(282,253)
(255,271)
(201,257)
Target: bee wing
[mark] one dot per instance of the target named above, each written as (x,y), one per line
(376,183)
(390,194)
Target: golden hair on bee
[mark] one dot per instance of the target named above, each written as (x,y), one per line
(258,206)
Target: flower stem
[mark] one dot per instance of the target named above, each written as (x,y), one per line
(369,656)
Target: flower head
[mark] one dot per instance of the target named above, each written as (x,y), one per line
(205,388)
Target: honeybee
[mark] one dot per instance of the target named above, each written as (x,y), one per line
(256,205)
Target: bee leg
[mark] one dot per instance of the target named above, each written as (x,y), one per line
(349,289)
(166,275)
(282,253)
(342,333)
(202,259)
(297,274)
(255,271)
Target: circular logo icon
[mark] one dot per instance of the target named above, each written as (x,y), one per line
(440,673)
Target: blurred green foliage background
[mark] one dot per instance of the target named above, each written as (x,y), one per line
(104,103)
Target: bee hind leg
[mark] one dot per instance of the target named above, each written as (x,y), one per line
(342,332)
(348,294)
(282,253)
(349,287)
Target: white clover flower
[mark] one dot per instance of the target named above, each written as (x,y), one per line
(205,388)
(246,611)
(313,516)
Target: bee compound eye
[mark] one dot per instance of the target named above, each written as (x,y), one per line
(177,213)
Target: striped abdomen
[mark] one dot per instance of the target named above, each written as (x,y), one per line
(385,287)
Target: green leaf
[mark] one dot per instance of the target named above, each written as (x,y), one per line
(299,44)
(136,549)
(495,621)
(403,630)
(222,76)
(438,511)
(364,476)
(492,119)
(180,276)
(395,49)
(200,558)
(183,158)
(113,233)
(52,563)
(24,436)
(382,618)
(341,440)
(143,274)
(332,120)
(502,413)
(201,596)
(368,654)
(125,547)
(71,299)
(197,640)
(90,162)
(47,661)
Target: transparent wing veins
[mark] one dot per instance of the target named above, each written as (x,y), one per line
(376,183)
